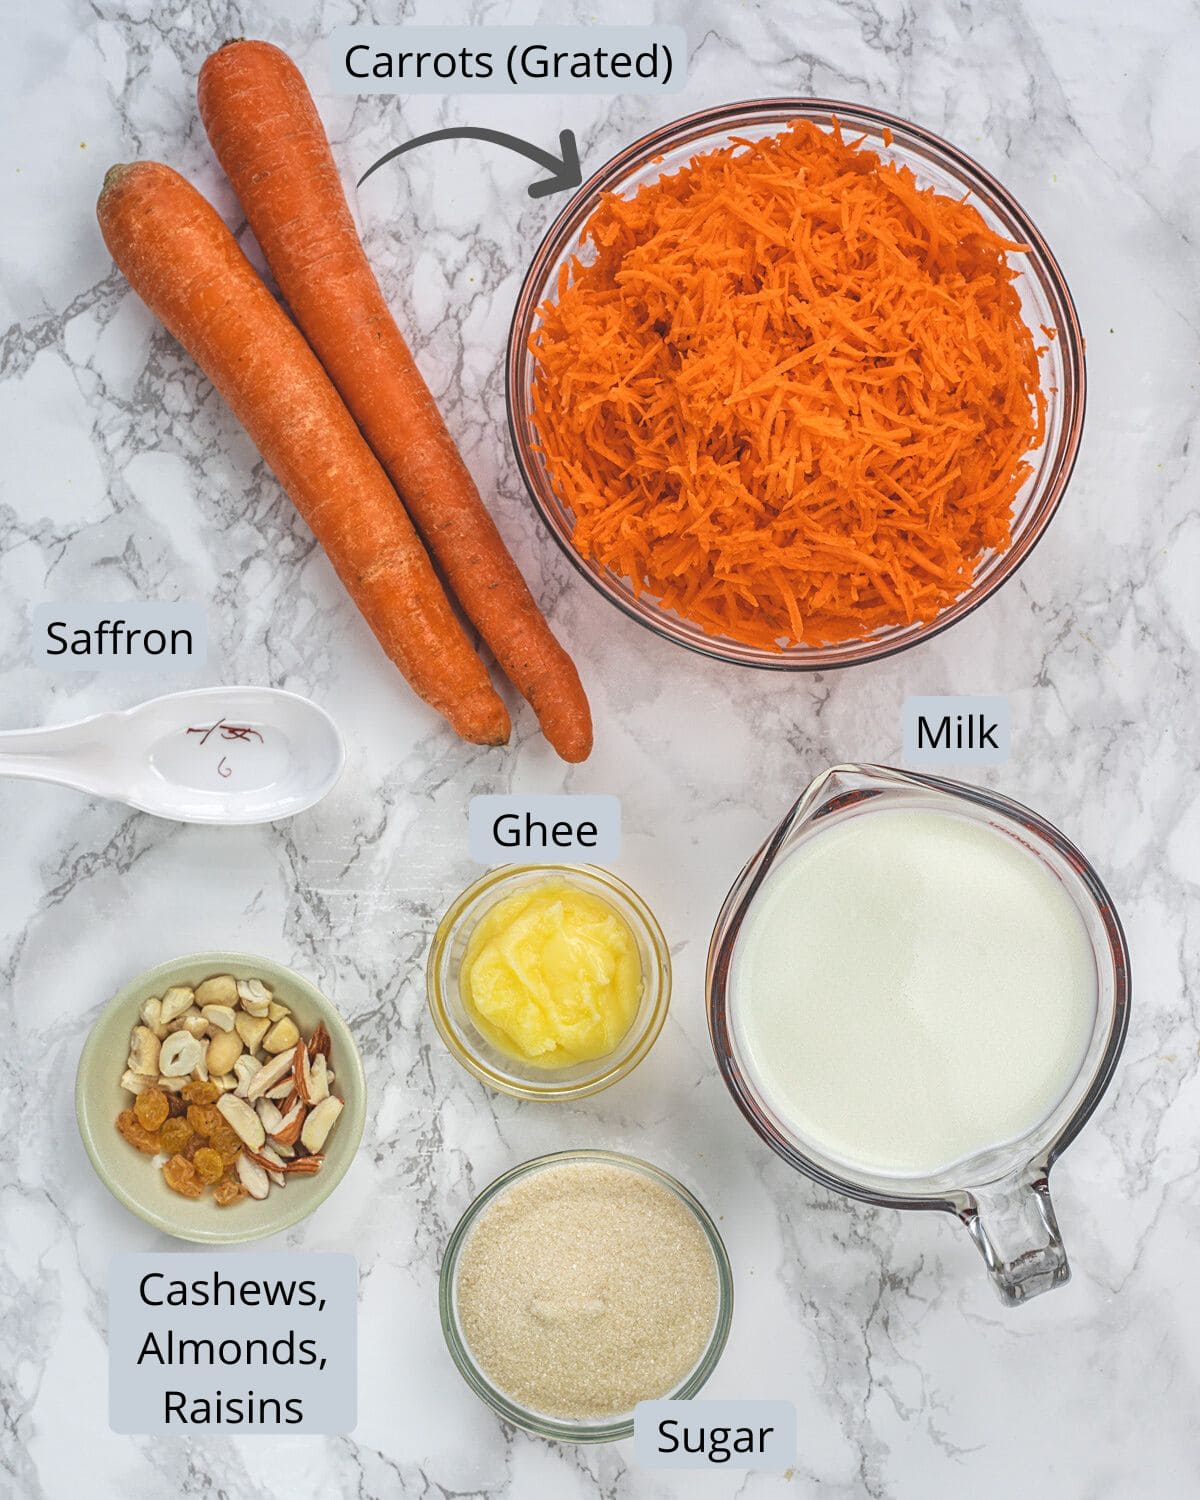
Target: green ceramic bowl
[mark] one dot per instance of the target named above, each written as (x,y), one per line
(136,1181)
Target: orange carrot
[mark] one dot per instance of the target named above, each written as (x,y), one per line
(791,394)
(185,265)
(268,136)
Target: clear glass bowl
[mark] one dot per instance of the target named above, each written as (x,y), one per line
(479,1055)
(599,1429)
(1044,296)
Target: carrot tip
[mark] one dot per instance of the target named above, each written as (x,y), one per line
(115,175)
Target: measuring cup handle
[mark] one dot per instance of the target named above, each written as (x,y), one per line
(1013,1224)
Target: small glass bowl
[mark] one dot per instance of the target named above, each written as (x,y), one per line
(477,1053)
(1045,298)
(562,1429)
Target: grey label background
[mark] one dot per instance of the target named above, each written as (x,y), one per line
(497,40)
(329,1396)
(779,1450)
(995,710)
(602,810)
(137,615)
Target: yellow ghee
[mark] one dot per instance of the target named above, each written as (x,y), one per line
(552,975)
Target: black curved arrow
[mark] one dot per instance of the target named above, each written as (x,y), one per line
(564,168)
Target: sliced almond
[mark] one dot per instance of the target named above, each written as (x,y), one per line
(288,1130)
(320,1041)
(270,1162)
(281,1090)
(318,1086)
(284,1148)
(177,999)
(137,1083)
(227,1082)
(179,1055)
(144,1049)
(218,989)
(251,1029)
(269,1114)
(302,1073)
(303,1164)
(223,1051)
(276,1167)
(151,1015)
(270,1074)
(219,1017)
(252,1177)
(243,1119)
(319,1123)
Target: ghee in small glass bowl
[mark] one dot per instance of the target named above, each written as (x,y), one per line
(478,1052)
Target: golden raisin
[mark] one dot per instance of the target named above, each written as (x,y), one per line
(201,1091)
(136,1133)
(175,1135)
(178,1104)
(205,1119)
(208,1164)
(227,1142)
(180,1177)
(151,1108)
(227,1192)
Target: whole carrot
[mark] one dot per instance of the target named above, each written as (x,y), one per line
(268,136)
(184,264)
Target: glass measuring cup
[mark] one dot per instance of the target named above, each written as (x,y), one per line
(1001,1194)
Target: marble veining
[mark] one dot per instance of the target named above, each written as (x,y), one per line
(125,477)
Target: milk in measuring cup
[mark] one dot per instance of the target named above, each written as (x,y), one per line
(912,987)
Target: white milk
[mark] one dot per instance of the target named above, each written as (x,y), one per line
(911,987)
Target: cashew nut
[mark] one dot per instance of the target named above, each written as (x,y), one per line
(284,1034)
(143,1052)
(179,1055)
(220,989)
(252,1029)
(151,1014)
(224,1050)
(177,999)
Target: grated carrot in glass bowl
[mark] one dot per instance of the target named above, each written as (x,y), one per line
(787,392)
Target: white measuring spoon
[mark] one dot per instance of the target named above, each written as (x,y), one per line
(210,755)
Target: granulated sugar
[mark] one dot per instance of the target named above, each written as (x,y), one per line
(585,1288)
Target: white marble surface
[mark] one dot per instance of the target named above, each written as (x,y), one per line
(125,478)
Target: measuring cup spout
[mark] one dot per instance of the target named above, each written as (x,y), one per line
(1015,1227)
(832,791)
